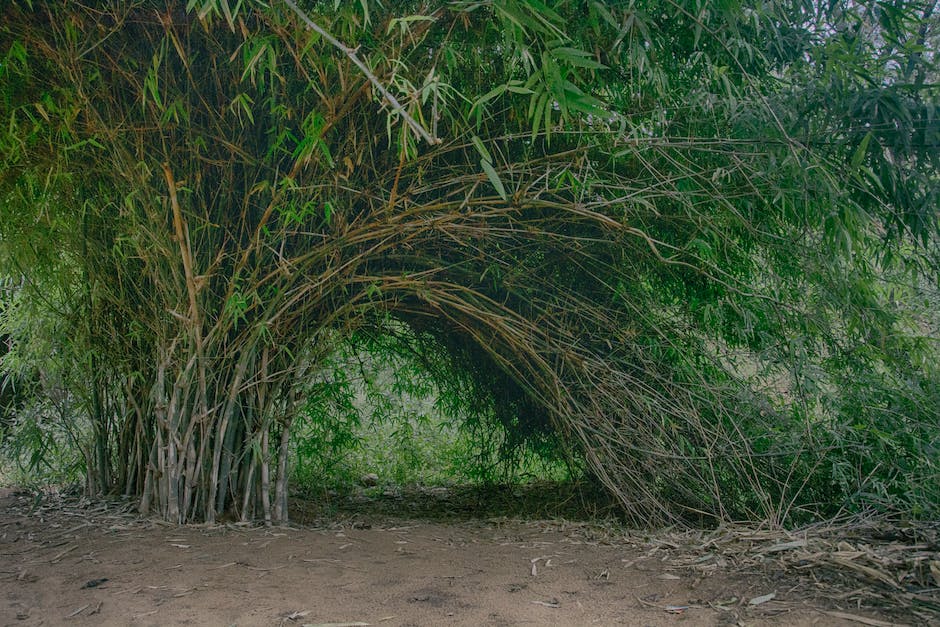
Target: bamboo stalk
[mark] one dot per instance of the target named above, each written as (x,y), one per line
(200,408)
(265,478)
(226,480)
(247,487)
(188,476)
(147,494)
(172,480)
(220,439)
(162,476)
(280,488)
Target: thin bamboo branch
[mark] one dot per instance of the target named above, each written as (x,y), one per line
(352,56)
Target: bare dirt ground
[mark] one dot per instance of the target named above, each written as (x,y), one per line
(68,561)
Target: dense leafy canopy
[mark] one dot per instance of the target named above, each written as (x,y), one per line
(688,243)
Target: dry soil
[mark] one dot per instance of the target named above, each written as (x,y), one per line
(69,562)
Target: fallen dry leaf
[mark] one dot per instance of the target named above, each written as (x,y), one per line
(79,611)
(762,599)
(784,546)
(873,573)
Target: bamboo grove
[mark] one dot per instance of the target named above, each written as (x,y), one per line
(672,236)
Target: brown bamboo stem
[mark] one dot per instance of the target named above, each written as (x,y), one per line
(280,488)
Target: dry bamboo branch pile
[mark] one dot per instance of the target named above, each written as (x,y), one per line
(870,563)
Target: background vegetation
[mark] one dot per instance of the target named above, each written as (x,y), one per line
(685,249)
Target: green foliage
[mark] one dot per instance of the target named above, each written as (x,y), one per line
(385,409)
(38,450)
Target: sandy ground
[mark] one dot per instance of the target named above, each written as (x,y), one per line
(100,565)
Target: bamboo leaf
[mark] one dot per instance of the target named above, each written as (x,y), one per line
(227,12)
(576,58)
(484,153)
(494,178)
(861,151)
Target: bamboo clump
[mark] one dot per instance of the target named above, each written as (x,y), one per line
(244,197)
